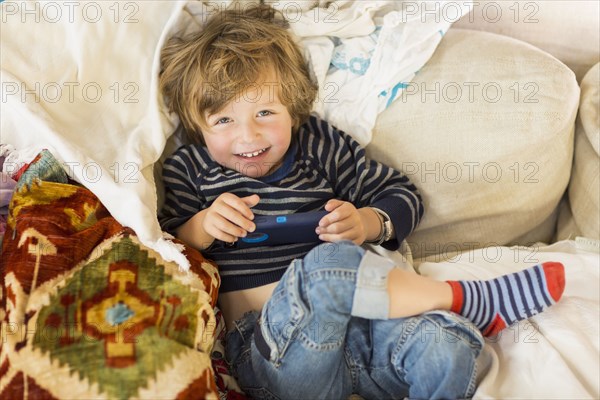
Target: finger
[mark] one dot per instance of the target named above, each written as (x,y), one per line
(341,212)
(238,204)
(222,236)
(234,216)
(329,237)
(333,204)
(330,218)
(226,230)
(338,227)
(216,232)
(251,200)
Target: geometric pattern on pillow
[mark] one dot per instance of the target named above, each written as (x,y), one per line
(87,311)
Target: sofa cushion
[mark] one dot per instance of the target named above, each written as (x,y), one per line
(569,32)
(580,215)
(485,131)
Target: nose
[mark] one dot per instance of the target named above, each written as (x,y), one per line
(248,131)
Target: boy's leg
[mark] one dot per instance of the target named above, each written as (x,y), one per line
(298,346)
(491,305)
(430,356)
(497,303)
(304,324)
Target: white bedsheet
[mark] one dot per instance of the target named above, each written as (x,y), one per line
(554,355)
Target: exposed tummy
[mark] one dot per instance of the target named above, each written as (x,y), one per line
(235,304)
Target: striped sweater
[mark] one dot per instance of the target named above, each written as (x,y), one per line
(322,163)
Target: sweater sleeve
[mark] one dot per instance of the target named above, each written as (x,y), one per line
(182,200)
(368,183)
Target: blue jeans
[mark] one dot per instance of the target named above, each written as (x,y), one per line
(324,334)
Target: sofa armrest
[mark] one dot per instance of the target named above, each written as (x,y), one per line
(580,212)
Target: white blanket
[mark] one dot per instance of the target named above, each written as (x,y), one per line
(554,355)
(80,79)
(364,53)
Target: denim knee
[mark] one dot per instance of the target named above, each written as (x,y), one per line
(344,254)
(368,271)
(446,341)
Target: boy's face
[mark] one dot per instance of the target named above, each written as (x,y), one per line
(252,133)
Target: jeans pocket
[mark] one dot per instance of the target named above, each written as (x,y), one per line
(472,384)
(238,340)
(456,327)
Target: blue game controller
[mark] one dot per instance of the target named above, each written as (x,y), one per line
(283,229)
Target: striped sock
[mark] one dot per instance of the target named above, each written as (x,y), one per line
(495,304)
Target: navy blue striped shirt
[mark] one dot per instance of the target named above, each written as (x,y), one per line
(322,163)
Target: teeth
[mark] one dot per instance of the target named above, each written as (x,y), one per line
(254,154)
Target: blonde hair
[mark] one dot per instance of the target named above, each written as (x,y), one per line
(235,50)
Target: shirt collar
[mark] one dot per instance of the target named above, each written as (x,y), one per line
(286,165)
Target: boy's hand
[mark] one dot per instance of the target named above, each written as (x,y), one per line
(229,217)
(344,222)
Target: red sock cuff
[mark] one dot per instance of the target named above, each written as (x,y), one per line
(555,279)
(457,296)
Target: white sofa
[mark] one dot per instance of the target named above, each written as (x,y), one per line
(500,131)
(487,129)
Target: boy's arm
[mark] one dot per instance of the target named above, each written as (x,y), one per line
(192,233)
(186,213)
(371,222)
(181,212)
(392,193)
(367,183)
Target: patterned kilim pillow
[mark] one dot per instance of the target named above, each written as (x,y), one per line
(88,312)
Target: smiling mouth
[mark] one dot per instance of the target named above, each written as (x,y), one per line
(252,154)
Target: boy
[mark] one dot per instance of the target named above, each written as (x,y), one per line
(332,320)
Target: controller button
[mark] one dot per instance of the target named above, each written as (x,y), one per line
(255,237)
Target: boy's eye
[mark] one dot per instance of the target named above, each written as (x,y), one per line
(223,120)
(264,113)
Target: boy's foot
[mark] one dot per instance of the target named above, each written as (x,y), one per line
(495,304)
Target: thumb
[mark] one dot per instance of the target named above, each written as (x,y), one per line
(251,201)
